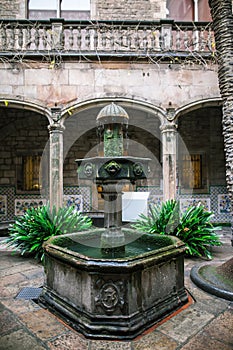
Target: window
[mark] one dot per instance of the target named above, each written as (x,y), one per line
(28,173)
(42,4)
(188,10)
(181,10)
(191,172)
(68,9)
(78,5)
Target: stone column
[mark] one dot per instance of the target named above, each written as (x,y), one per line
(112,194)
(56,162)
(169,139)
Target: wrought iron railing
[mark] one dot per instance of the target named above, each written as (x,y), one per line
(106,38)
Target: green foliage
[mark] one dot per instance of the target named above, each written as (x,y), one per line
(193,227)
(31,230)
(161,220)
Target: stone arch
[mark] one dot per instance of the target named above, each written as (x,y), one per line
(209,102)
(26,105)
(77,107)
(24,134)
(69,112)
(200,129)
(77,138)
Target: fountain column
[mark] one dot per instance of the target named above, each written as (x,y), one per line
(112,126)
(111,170)
(112,205)
(56,161)
(169,140)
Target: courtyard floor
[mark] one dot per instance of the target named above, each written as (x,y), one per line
(206,324)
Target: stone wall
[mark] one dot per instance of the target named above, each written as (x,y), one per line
(128,9)
(100,9)
(159,85)
(22,133)
(201,130)
(13,9)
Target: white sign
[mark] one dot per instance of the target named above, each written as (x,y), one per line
(134,204)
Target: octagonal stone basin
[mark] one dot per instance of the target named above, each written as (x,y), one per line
(114,297)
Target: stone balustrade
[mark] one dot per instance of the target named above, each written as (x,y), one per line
(106,38)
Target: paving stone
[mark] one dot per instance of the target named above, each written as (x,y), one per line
(42,323)
(28,268)
(9,291)
(70,341)
(8,322)
(208,302)
(38,282)
(155,341)
(6,261)
(221,328)
(109,345)
(20,340)
(20,306)
(33,273)
(204,342)
(185,324)
(13,279)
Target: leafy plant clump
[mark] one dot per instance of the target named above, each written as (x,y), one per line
(29,231)
(193,227)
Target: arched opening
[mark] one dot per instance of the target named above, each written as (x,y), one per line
(24,134)
(201,171)
(81,140)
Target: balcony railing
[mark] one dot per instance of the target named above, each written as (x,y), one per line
(105,38)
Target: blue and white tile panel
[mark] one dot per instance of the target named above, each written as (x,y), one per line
(216,201)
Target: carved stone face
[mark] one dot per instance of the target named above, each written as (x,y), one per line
(138,169)
(88,169)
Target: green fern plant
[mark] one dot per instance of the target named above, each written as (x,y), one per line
(31,230)
(198,233)
(193,227)
(162,219)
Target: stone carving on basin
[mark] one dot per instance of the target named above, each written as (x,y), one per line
(113,282)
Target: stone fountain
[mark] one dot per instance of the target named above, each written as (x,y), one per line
(113,283)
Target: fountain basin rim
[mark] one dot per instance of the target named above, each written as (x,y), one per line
(147,258)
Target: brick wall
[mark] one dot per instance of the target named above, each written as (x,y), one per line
(13,9)
(129,9)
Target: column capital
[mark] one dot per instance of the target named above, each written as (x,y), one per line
(56,127)
(56,113)
(56,124)
(171,113)
(168,127)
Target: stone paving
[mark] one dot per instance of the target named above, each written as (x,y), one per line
(205,324)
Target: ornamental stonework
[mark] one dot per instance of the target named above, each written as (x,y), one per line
(109,295)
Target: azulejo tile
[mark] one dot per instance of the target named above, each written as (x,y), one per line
(74,200)
(21,205)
